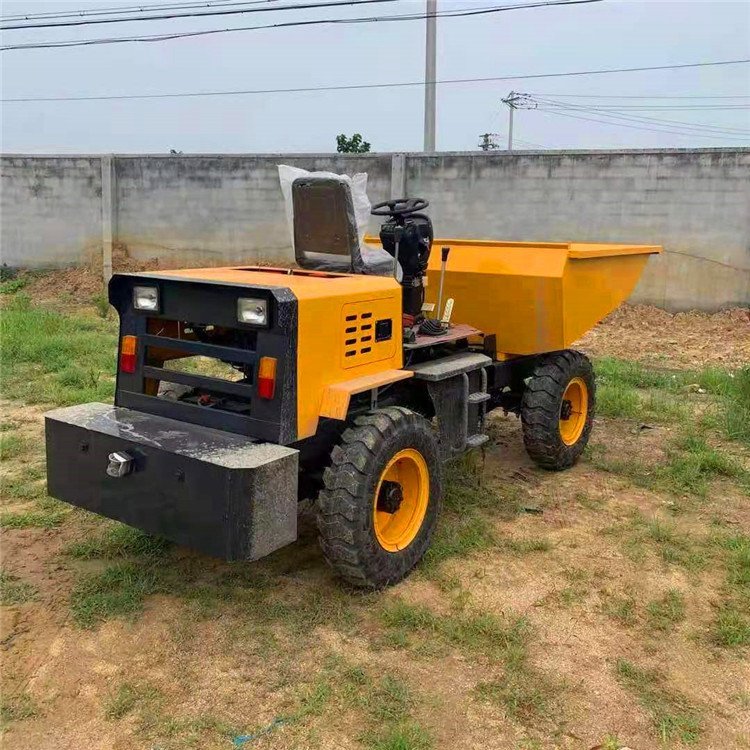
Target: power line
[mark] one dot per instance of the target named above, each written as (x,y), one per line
(641,96)
(193,14)
(371,19)
(352,87)
(682,125)
(637,127)
(132,9)
(707,107)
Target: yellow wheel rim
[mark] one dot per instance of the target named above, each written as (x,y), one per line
(573,411)
(401,500)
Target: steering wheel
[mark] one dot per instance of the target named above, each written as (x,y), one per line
(399,207)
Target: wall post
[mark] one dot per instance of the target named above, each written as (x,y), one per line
(398,176)
(108,215)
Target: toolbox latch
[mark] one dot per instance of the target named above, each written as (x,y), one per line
(120,464)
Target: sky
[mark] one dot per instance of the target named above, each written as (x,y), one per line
(601,35)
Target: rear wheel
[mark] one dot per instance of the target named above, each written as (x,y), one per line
(380,502)
(557,409)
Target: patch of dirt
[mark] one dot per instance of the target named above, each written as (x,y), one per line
(684,340)
(230,664)
(84,282)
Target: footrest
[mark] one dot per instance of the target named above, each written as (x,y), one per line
(479,397)
(448,367)
(475,441)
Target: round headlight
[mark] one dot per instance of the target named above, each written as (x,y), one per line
(146,298)
(252,311)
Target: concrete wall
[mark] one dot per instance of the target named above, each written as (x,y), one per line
(50,209)
(224,208)
(206,208)
(694,203)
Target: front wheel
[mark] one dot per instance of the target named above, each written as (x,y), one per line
(557,409)
(380,502)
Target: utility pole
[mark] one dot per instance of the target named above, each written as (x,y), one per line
(515,101)
(430,74)
(487,142)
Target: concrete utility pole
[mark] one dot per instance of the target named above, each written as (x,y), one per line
(514,100)
(430,74)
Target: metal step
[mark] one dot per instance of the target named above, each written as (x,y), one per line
(474,441)
(478,397)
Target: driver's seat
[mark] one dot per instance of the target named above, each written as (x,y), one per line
(325,230)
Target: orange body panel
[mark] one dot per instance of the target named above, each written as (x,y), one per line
(325,302)
(534,296)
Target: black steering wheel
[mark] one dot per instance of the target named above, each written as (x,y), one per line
(399,207)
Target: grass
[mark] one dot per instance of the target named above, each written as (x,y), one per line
(474,633)
(12,445)
(466,523)
(630,390)
(406,736)
(69,359)
(119,541)
(672,715)
(11,286)
(690,466)
(16,707)
(524,694)
(40,519)
(621,609)
(127,698)
(118,591)
(15,591)
(731,628)
(665,612)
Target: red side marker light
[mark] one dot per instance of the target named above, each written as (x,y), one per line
(128,353)
(267,377)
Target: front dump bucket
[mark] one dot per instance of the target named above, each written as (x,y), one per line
(535,297)
(219,493)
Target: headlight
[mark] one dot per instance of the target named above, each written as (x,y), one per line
(253,311)
(146,298)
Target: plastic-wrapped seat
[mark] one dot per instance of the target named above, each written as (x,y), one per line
(325,230)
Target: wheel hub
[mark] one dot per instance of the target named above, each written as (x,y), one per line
(390,497)
(566,410)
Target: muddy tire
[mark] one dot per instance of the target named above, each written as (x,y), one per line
(557,409)
(381,498)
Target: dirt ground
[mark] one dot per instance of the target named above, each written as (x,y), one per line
(578,613)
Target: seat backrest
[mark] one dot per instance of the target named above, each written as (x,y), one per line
(325,229)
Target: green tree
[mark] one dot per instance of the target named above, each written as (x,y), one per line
(353,145)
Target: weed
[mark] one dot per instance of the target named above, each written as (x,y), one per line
(525,546)
(672,715)
(406,736)
(620,608)
(666,611)
(119,541)
(117,591)
(17,707)
(13,285)
(126,698)
(11,445)
(101,303)
(15,591)
(391,700)
(732,627)
(524,698)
